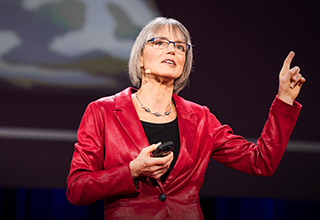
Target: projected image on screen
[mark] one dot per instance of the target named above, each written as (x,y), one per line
(80,44)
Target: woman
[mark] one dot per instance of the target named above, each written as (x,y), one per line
(117,134)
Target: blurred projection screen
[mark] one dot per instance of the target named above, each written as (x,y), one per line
(77,44)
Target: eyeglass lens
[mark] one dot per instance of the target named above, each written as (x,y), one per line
(160,43)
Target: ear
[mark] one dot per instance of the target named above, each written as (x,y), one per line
(141,62)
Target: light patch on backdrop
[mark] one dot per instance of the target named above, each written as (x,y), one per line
(69,43)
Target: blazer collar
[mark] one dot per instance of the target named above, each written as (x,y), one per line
(128,118)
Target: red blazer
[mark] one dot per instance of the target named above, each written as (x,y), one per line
(111,135)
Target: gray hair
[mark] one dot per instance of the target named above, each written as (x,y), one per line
(147,33)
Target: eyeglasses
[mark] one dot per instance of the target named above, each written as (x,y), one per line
(162,43)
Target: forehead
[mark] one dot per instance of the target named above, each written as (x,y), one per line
(170,32)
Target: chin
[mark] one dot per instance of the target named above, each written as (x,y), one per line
(172,75)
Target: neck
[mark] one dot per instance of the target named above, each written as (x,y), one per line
(156,96)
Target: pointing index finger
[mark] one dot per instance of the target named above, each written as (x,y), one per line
(287,63)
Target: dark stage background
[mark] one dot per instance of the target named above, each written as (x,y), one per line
(239,47)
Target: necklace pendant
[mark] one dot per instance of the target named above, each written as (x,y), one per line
(157,114)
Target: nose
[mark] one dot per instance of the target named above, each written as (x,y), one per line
(170,47)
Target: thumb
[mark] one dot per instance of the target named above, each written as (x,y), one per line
(152,147)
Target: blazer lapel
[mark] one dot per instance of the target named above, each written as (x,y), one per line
(128,118)
(187,128)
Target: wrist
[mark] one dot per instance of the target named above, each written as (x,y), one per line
(286,99)
(132,166)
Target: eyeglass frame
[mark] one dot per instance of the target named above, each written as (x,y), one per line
(170,42)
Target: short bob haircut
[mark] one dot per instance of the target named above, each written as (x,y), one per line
(148,32)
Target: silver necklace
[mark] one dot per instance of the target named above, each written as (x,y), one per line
(154,113)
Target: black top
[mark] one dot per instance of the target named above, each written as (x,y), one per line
(161,133)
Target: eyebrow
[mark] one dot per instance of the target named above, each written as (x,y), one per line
(178,41)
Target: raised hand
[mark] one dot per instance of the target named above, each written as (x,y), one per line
(290,81)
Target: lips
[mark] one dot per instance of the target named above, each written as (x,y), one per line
(169,61)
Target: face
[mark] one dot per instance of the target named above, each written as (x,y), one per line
(166,63)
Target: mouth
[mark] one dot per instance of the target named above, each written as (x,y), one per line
(168,61)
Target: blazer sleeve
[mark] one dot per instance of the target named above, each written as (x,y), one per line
(261,158)
(88,181)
